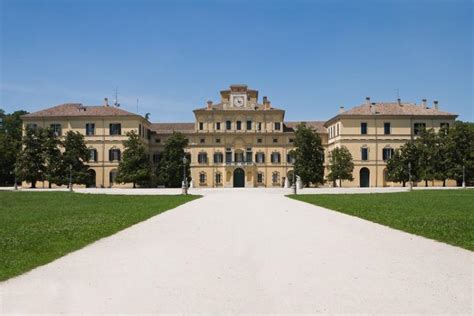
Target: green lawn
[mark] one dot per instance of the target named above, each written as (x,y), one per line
(444,215)
(38,227)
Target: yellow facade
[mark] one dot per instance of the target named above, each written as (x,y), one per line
(227,139)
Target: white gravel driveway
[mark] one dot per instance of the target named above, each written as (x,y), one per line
(250,251)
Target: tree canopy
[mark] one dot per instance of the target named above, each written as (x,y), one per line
(135,165)
(309,154)
(340,165)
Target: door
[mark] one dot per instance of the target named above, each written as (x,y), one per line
(239,178)
(364,176)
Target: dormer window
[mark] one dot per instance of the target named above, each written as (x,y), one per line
(277,126)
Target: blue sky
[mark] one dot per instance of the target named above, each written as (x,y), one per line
(308,57)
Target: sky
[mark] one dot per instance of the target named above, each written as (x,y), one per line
(308,57)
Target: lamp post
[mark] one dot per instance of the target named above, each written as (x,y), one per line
(70,178)
(294,177)
(185,179)
(410,186)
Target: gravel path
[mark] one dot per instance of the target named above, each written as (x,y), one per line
(252,251)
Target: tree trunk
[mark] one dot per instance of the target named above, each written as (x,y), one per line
(444,183)
(340,183)
(33,184)
(426,183)
(134,185)
(49,185)
(403,183)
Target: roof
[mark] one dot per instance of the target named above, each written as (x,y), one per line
(256,106)
(316,125)
(169,128)
(392,108)
(77,109)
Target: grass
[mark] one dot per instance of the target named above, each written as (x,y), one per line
(38,227)
(443,215)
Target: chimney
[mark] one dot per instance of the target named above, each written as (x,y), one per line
(341,109)
(209,105)
(372,108)
(399,101)
(435,105)
(266,103)
(265,99)
(367,100)
(423,103)
(106,102)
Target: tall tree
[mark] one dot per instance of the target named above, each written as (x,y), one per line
(443,163)
(31,165)
(55,171)
(74,159)
(10,144)
(309,154)
(135,165)
(404,162)
(462,152)
(341,165)
(425,145)
(170,167)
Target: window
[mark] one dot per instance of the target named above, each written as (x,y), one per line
(238,125)
(114,154)
(249,125)
(228,125)
(363,128)
(90,129)
(275,177)
(218,158)
(218,140)
(248,155)
(55,129)
(291,140)
(218,126)
(202,158)
(148,134)
(418,128)
(218,178)
(239,156)
(337,129)
(275,140)
(32,126)
(364,153)
(387,153)
(260,177)
(228,155)
(290,158)
(140,130)
(259,140)
(156,157)
(115,129)
(202,178)
(386,128)
(92,155)
(112,176)
(201,126)
(202,140)
(259,126)
(275,157)
(277,126)
(157,140)
(260,157)
(444,126)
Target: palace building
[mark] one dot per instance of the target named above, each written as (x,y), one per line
(244,142)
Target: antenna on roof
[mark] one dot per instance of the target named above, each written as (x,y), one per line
(398,93)
(116,98)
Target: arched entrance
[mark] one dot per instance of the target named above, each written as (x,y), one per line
(239,178)
(364,177)
(91,183)
(290,177)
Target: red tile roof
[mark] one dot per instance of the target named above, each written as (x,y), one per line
(316,125)
(169,128)
(393,108)
(77,109)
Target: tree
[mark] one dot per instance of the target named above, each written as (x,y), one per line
(74,157)
(461,151)
(135,165)
(404,159)
(10,144)
(425,145)
(309,156)
(170,167)
(443,163)
(31,164)
(340,165)
(55,171)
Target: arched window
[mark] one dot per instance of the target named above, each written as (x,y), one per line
(218,178)
(114,154)
(275,177)
(112,176)
(260,157)
(218,157)
(202,158)
(202,178)
(260,177)
(276,157)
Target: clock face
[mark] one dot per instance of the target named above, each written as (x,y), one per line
(238,101)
